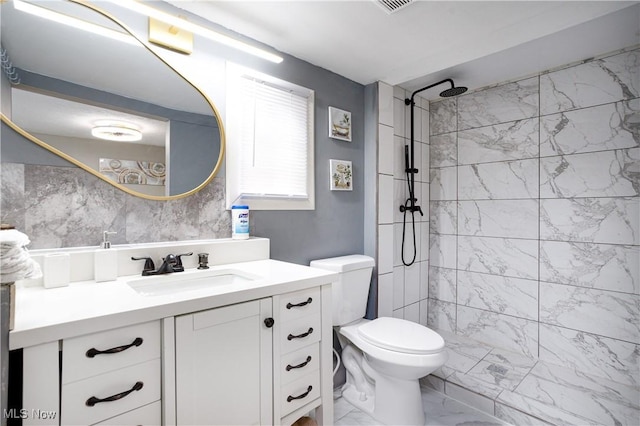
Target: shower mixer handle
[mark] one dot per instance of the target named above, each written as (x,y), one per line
(412,209)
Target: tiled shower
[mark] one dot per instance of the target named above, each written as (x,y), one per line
(535,216)
(532,239)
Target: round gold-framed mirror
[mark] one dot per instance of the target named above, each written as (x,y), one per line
(165,139)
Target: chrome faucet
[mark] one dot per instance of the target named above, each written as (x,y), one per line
(171,263)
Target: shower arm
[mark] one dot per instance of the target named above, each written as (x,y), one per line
(410,168)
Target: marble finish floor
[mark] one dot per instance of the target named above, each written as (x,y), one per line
(526,391)
(440,410)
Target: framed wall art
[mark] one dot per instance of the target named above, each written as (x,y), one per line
(339,124)
(341,175)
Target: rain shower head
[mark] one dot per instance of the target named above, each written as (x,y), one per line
(454,91)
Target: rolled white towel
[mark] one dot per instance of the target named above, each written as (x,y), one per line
(15,262)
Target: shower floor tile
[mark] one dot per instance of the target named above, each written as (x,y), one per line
(440,410)
(524,390)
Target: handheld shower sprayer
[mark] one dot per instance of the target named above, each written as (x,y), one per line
(410,205)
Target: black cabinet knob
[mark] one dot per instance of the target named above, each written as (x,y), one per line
(269,322)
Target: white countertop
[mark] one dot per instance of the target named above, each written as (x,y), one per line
(45,315)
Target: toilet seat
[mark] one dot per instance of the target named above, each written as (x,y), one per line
(395,357)
(400,335)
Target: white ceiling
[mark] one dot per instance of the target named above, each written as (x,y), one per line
(478,43)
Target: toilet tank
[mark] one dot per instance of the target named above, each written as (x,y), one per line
(350,293)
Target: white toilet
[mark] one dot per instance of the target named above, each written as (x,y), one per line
(384,357)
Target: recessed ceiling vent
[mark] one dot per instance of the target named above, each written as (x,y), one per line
(392,6)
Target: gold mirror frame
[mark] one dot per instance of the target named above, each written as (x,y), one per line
(94,172)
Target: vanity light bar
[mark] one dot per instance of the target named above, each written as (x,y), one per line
(73,22)
(197,29)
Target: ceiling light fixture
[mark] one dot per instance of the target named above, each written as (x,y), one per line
(197,29)
(116,133)
(61,18)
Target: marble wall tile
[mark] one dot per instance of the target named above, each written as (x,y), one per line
(598,220)
(214,220)
(443,116)
(499,256)
(72,212)
(444,183)
(444,150)
(602,312)
(501,104)
(600,128)
(503,331)
(499,218)
(516,140)
(602,266)
(613,359)
(504,180)
(442,284)
(149,221)
(595,82)
(503,295)
(12,201)
(442,251)
(600,401)
(443,217)
(598,174)
(441,315)
(510,359)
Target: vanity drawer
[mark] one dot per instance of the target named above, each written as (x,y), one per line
(302,332)
(113,386)
(149,415)
(299,304)
(128,346)
(299,393)
(296,364)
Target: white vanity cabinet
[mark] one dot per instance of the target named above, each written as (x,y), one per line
(112,373)
(257,353)
(263,362)
(223,365)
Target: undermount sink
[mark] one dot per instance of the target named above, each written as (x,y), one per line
(188,281)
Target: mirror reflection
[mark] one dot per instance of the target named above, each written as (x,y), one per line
(108,103)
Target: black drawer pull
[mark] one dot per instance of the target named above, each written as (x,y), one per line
(291,367)
(300,336)
(93,400)
(297,305)
(93,351)
(291,398)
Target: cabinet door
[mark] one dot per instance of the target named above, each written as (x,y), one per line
(224,366)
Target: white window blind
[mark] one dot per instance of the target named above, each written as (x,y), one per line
(270,139)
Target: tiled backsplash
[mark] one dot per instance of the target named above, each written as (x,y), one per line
(535,216)
(68,207)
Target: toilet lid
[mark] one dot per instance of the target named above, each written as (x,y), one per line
(401,336)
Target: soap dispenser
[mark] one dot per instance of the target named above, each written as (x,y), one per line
(105,260)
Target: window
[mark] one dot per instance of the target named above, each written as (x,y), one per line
(269,158)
